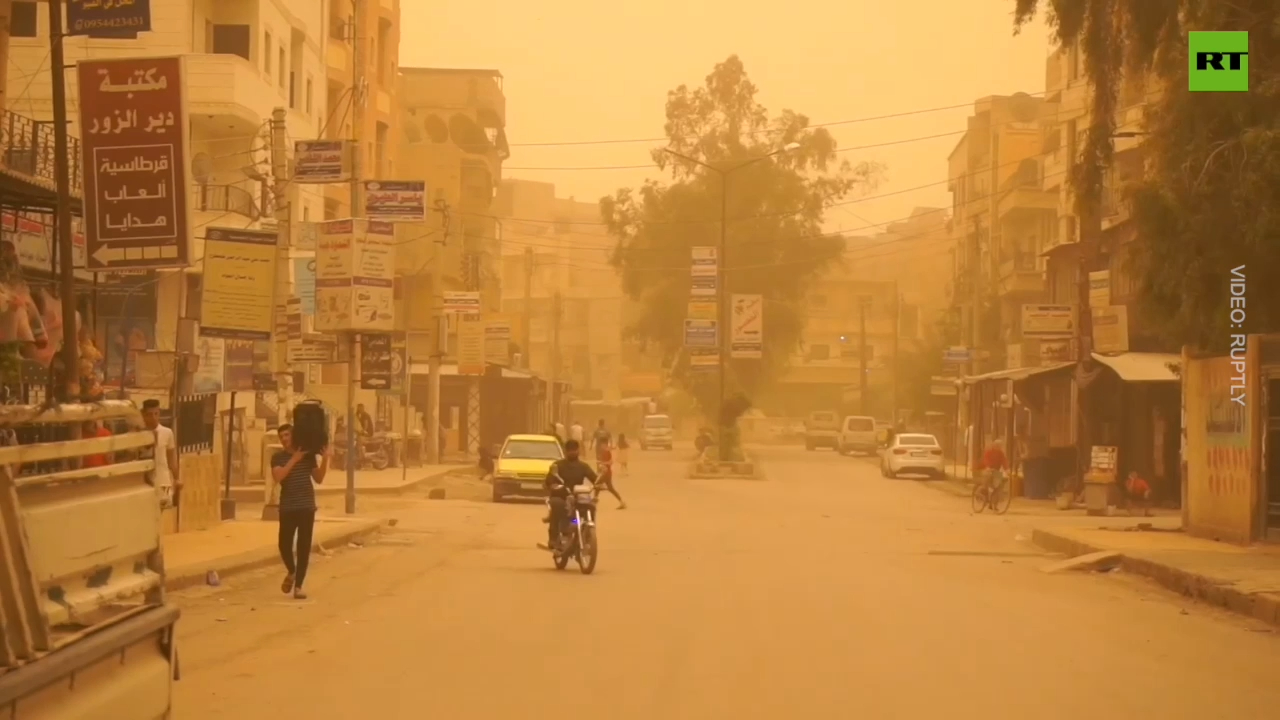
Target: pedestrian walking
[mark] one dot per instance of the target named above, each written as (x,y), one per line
(294,471)
(575,432)
(604,468)
(601,438)
(624,454)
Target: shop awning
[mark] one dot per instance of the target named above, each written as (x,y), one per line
(452,370)
(1142,367)
(1016,373)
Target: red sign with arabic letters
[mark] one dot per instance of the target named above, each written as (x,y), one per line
(133,130)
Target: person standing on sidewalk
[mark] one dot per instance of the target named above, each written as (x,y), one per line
(165,453)
(294,471)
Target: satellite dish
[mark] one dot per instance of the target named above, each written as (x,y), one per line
(1023,107)
(202,168)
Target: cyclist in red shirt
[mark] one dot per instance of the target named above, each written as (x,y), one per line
(993,462)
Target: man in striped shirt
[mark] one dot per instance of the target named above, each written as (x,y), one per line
(294,471)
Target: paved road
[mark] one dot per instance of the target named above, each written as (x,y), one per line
(824,592)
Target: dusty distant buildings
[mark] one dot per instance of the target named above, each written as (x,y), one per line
(563,296)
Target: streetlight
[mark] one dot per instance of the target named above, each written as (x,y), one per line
(721,289)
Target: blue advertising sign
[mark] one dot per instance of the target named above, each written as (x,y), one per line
(110,19)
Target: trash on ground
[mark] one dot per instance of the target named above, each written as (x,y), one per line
(1096,561)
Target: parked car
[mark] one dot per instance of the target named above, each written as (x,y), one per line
(858,434)
(913,453)
(822,429)
(522,465)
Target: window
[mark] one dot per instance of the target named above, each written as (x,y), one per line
(918,440)
(23,21)
(532,450)
(266,53)
(293,91)
(284,72)
(306,214)
(307,99)
(332,206)
(231,40)
(860,424)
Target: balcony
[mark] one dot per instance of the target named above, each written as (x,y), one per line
(226,199)
(1023,192)
(1021,276)
(26,156)
(228,93)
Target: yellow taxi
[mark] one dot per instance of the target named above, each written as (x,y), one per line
(522,465)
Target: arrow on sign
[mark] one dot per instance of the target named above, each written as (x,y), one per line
(106,255)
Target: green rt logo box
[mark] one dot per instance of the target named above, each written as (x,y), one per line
(1218,61)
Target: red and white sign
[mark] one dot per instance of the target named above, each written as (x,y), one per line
(31,235)
(135,146)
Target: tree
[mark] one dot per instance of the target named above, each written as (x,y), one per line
(1206,204)
(774,240)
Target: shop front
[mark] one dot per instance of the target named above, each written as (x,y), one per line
(1131,403)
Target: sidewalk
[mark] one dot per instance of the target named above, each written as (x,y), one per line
(243,545)
(1244,580)
(391,481)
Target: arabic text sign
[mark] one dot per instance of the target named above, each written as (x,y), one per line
(239,284)
(304,280)
(700,333)
(395,200)
(355,268)
(746,334)
(1100,288)
(704,261)
(133,129)
(1111,329)
(471,344)
(108,18)
(701,310)
(497,341)
(375,361)
(704,359)
(461,301)
(703,285)
(321,161)
(31,235)
(1048,321)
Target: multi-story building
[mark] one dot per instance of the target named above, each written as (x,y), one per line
(913,251)
(560,289)
(1001,218)
(375,26)
(452,134)
(243,60)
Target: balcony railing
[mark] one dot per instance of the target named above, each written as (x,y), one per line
(226,199)
(26,148)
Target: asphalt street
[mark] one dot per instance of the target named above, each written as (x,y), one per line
(823,591)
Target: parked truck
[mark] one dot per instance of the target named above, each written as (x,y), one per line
(85,631)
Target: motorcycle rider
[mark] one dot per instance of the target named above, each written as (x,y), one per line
(562,478)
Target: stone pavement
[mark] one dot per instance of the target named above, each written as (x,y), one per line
(242,545)
(1244,580)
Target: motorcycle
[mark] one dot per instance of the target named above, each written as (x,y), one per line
(578,539)
(373,453)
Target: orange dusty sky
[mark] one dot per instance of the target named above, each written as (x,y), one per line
(579,70)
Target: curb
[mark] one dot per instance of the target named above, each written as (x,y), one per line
(1260,606)
(409,486)
(262,557)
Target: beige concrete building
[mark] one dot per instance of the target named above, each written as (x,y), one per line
(559,288)
(376,29)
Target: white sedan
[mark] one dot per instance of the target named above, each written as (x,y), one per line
(913,453)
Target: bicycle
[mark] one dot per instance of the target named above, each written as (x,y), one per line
(994,494)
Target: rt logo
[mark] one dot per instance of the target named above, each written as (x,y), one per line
(1218,61)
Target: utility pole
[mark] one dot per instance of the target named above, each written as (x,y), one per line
(724,318)
(62,213)
(357,159)
(435,453)
(279,188)
(555,355)
(526,329)
(1090,238)
(975,329)
(897,330)
(862,354)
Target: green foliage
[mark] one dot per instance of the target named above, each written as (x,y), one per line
(1208,203)
(774,240)
(920,365)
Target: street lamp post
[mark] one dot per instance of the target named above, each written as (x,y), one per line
(722,295)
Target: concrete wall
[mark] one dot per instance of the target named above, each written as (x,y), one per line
(1223,446)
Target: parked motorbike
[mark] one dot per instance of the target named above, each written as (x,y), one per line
(373,453)
(578,534)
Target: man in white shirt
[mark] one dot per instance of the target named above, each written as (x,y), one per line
(575,432)
(166,452)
